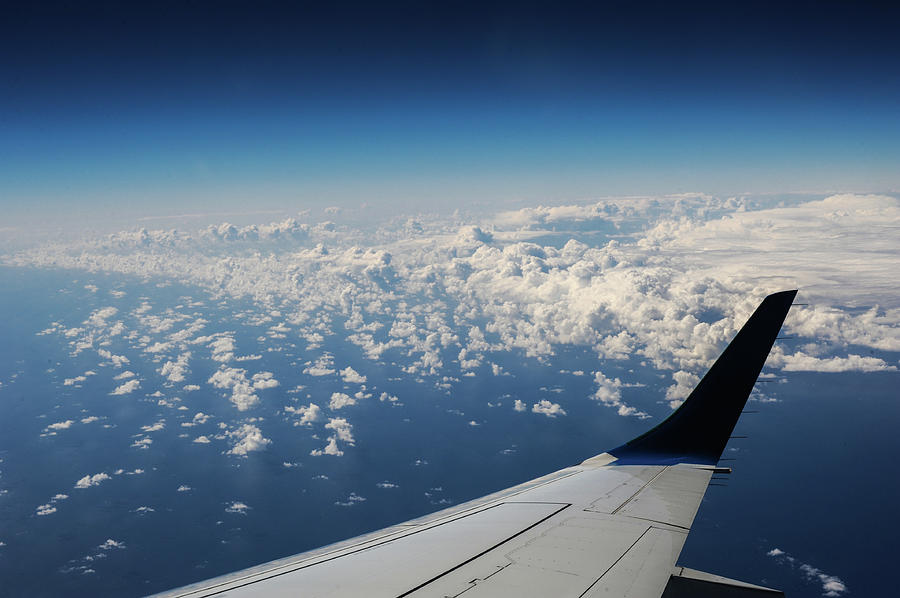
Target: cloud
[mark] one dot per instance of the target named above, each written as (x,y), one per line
(321,367)
(175,371)
(832,586)
(45,510)
(111,544)
(351,376)
(124,375)
(666,281)
(340,400)
(545,407)
(237,507)
(64,425)
(155,427)
(184,488)
(308,415)
(142,443)
(685,382)
(246,439)
(351,500)
(608,392)
(235,379)
(343,431)
(202,440)
(222,348)
(91,480)
(126,388)
(801,362)
(264,380)
(520,405)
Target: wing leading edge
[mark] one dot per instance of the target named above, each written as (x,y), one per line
(612,526)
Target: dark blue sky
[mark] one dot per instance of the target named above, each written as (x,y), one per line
(147,108)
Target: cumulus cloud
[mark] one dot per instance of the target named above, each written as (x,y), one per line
(343,431)
(91,480)
(351,500)
(111,544)
(64,425)
(126,388)
(264,380)
(154,427)
(520,405)
(666,281)
(237,507)
(832,586)
(608,392)
(202,440)
(351,376)
(47,509)
(545,407)
(246,439)
(175,371)
(235,379)
(340,400)
(308,414)
(800,362)
(321,367)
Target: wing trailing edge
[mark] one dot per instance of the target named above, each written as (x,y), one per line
(699,429)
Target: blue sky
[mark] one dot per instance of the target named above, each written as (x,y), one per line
(144,109)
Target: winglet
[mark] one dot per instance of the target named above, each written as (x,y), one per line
(698,430)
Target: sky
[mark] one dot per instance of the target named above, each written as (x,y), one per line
(113,110)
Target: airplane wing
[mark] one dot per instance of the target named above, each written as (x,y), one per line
(612,526)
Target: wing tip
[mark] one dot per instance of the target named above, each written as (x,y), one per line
(698,430)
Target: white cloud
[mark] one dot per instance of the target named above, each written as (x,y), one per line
(351,376)
(222,348)
(545,407)
(45,510)
(343,431)
(155,427)
(126,388)
(685,382)
(351,500)
(124,375)
(111,544)
(91,480)
(175,371)
(609,393)
(247,438)
(386,484)
(832,586)
(65,425)
(674,284)
(264,380)
(322,367)
(800,361)
(237,507)
(340,400)
(235,379)
(308,415)
(202,440)
(520,405)
(142,443)
(184,488)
